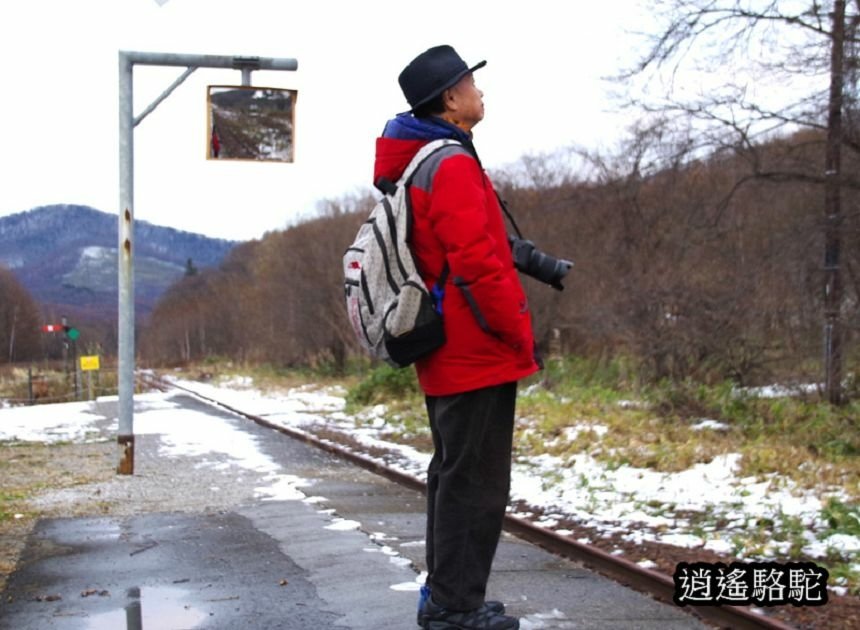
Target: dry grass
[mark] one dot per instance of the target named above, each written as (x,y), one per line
(267,379)
(808,443)
(26,470)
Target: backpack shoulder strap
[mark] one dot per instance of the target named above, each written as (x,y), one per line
(423,155)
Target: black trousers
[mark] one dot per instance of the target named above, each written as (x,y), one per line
(468,482)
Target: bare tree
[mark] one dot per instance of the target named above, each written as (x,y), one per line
(785,66)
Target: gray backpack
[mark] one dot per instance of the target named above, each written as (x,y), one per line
(394,316)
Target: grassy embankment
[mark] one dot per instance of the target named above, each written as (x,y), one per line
(788,440)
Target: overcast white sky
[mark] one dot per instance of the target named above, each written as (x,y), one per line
(59,121)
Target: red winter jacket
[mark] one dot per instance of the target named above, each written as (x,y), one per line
(456,216)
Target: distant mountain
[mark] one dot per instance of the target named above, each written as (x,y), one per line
(66,256)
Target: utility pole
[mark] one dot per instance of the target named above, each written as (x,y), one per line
(127,123)
(833,212)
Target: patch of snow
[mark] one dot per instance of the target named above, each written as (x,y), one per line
(343,525)
(572,432)
(94,252)
(281,488)
(553,619)
(718,545)
(781,391)
(67,422)
(842,543)
(707,423)
(531,389)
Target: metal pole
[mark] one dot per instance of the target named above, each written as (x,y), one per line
(210,61)
(65,322)
(125,353)
(77,369)
(164,95)
(127,122)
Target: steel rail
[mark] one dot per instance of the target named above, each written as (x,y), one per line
(655,584)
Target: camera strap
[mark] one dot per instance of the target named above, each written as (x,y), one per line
(508,214)
(471,148)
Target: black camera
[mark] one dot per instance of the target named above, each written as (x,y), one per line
(535,263)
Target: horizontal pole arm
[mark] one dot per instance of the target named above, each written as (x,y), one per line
(208,61)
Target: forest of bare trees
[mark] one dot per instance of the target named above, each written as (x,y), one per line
(677,269)
(757,69)
(20,321)
(278,300)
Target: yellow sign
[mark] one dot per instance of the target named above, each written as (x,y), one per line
(90,363)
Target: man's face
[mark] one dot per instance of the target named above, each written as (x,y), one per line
(465,102)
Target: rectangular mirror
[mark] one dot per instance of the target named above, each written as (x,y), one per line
(250,123)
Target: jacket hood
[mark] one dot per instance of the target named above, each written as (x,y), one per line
(401,139)
(393,156)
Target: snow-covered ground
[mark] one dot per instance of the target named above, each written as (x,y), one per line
(637,503)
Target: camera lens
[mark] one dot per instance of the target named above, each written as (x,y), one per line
(533,262)
(548,268)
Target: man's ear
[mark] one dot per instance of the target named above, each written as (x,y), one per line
(449,100)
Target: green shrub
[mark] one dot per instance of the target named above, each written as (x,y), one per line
(383,384)
(842,518)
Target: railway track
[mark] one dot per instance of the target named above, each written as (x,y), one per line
(653,583)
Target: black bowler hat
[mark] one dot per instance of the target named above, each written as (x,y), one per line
(431,73)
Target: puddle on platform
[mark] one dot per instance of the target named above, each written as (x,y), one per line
(150,608)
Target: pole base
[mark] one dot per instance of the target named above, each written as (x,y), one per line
(126,455)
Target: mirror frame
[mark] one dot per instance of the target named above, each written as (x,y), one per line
(245,142)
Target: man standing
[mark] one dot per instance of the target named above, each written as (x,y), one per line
(470,382)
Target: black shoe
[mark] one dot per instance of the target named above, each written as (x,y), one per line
(424,595)
(434,617)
